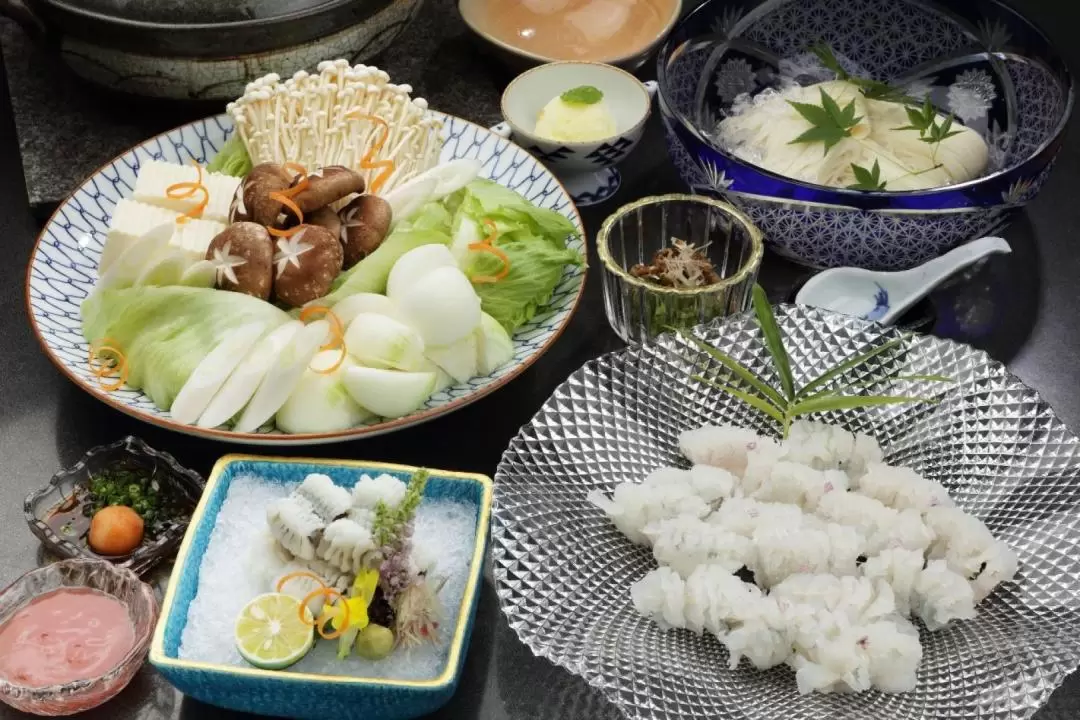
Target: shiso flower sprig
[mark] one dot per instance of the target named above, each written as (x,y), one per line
(822,394)
(389,524)
(413,596)
(392,532)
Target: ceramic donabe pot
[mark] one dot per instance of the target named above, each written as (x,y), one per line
(204,49)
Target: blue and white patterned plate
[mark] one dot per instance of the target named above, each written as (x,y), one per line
(63,270)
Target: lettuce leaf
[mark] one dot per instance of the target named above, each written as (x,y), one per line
(536,267)
(232,159)
(487,199)
(535,241)
(432,216)
(165,332)
(369,275)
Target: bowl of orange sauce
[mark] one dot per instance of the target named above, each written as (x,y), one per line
(615,32)
(72,635)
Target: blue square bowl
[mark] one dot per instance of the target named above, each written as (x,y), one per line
(304,695)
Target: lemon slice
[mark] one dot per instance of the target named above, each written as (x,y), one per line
(270,634)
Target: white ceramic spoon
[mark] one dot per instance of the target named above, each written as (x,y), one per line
(884,296)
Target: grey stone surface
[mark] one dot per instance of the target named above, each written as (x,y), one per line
(65,129)
(68,128)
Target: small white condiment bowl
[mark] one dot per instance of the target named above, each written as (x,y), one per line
(585,168)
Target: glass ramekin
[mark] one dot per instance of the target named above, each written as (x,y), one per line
(101,575)
(66,490)
(639,309)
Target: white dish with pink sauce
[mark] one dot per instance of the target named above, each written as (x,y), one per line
(529,32)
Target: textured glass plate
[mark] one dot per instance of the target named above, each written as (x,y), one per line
(563,572)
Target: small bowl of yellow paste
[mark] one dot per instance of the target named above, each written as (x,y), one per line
(580,119)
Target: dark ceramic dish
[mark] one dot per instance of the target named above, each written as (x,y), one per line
(55,512)
(200,28)
(206,49)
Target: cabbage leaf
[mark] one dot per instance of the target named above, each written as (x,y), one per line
(536,267)
(533,238)
(165,332)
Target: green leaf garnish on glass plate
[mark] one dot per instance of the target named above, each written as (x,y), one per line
(582,95)
(822,394)
(774,341)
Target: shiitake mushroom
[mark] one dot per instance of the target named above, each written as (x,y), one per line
(242,254)
(365,223)
(305,265)
(327,218)
(326,186)
(255,201)
(301,267)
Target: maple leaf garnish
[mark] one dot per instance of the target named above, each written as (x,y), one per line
(867,178)
(289,251)
(924,120)
(224,263)
(829,122)
(871,89)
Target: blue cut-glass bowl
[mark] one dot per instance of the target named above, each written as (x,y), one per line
(305,695)
(977,59)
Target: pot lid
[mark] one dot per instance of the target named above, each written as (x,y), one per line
(195,12)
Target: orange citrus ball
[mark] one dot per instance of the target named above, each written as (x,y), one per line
(115,530)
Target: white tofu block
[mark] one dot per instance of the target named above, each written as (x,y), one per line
(156,176)
(194,235)
(130,220)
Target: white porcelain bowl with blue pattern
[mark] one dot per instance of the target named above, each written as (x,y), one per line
(587,168)
(63,269)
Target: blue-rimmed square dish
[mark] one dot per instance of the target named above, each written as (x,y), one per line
(299,694)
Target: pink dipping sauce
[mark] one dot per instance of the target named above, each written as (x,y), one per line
(65,635)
